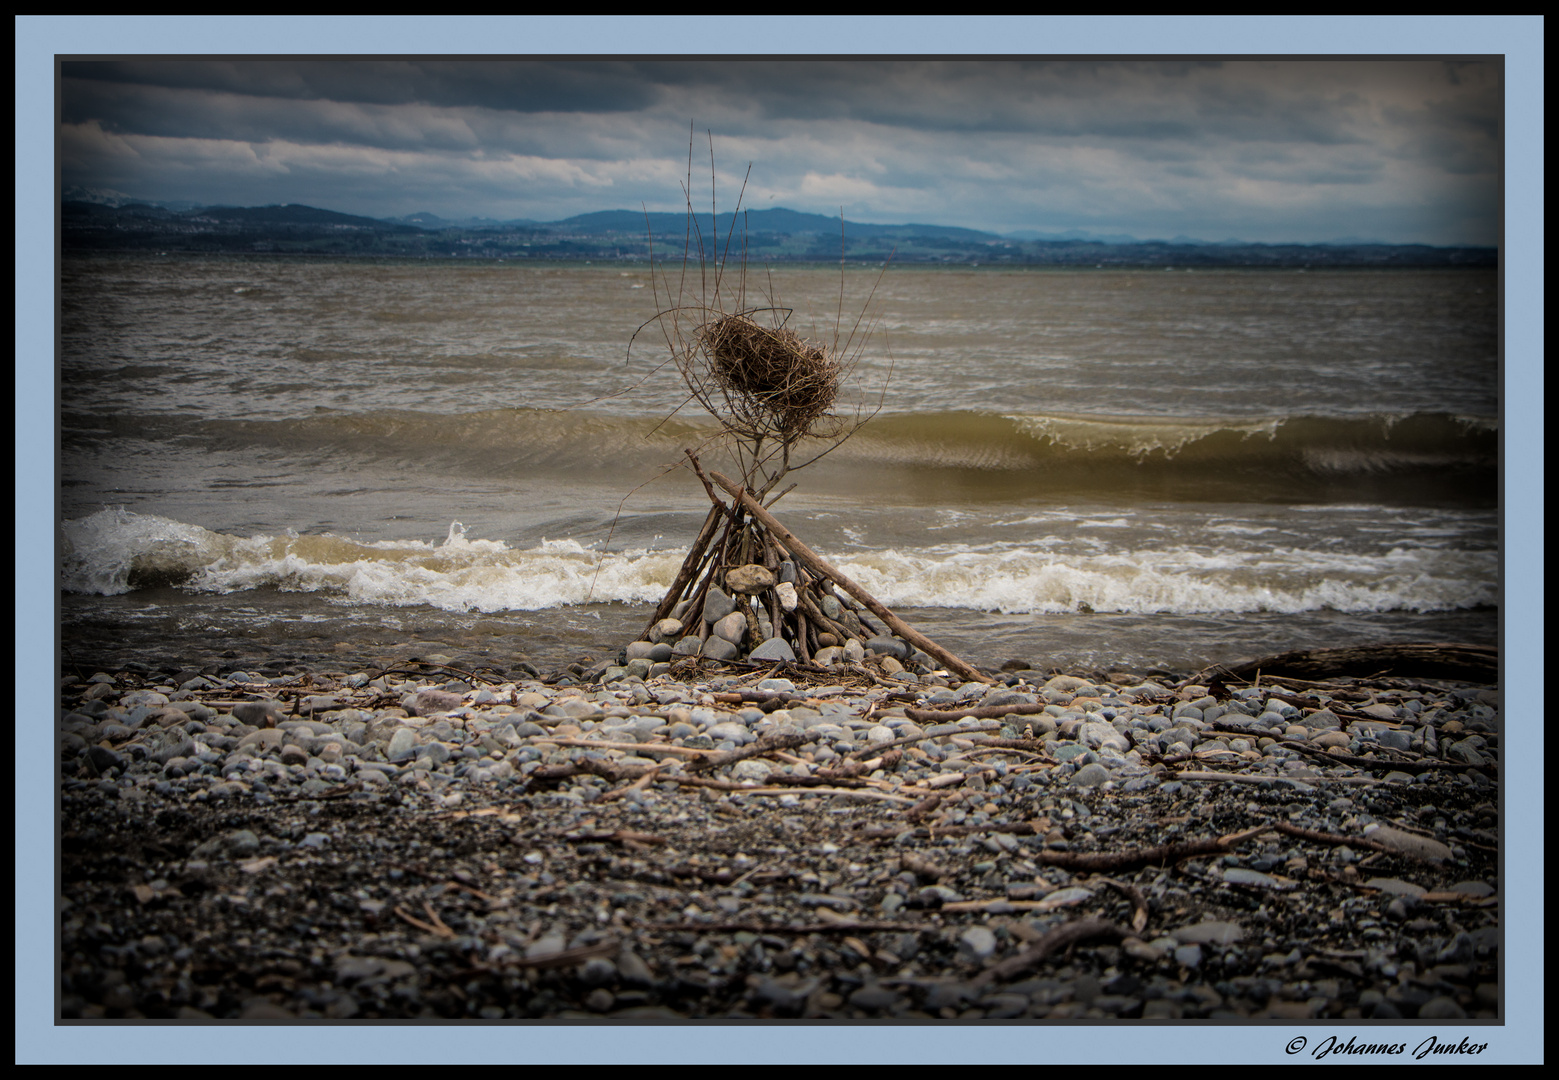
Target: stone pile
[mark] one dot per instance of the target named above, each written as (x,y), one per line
(734,623)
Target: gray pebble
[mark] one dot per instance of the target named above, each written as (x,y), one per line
(976,943)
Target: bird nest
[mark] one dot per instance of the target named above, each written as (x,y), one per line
(771,378)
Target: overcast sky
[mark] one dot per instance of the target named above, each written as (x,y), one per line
(1405,151)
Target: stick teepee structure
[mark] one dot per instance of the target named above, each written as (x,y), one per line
(749,587)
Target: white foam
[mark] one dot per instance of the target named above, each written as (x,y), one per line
(1180,581)
(113,551)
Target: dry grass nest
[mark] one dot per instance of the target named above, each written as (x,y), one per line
(774,372)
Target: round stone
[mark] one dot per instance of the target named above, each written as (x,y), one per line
(1091,775)
(718,648)
(774,649)
(732,628)
(749,579)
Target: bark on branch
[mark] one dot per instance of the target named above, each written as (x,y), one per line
(816,563)
(1425,660)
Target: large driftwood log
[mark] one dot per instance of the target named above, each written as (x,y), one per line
(814,562)
(1412,659)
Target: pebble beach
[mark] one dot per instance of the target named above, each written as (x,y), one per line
(428,837)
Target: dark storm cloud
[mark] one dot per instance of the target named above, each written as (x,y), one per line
(1281,150)
(544,86)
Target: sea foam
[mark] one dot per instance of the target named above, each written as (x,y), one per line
(117,551)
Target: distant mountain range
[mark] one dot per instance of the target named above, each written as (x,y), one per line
(96,220)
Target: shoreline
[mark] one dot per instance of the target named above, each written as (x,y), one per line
(277,632)
(392,844)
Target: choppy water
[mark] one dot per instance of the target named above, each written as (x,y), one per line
(1067,466)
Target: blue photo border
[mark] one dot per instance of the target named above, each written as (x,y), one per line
(38,39)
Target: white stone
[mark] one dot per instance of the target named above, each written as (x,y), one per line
(751,769)
(749,579)
(732,628)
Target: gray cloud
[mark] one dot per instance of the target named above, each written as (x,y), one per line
(1267,150)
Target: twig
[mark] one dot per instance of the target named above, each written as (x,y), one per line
(1377,765)
(644,781)
(1247,778)
(690,564)
(854,793)
(435,927)
(847,926)
(924,806)
(659,748)
(1139,904)
(985,712)
(762,746)
(1059,938)
(1344,841)
(1135,859)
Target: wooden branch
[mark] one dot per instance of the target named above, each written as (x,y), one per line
(762,746)
(987,712)
(1059,938)
(804,650)
(811,558)
(816,617)
(1134,859)
(437,926)
(1139,903)
(658,748)
(924,806)
(1263,778)
(1386,764)
(690,565)
(1346,841)
(702,479)
(1430,660)
(877,748)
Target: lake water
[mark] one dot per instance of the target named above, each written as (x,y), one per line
(273,457)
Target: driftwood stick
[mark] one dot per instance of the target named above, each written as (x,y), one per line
(1345,841)
(1135,859)
(1139,903)
(702,479)
(804,649)
(1385,764)
(690,565)
(1423,659)
(1263,778)
(785,537)
(877,748)
(924,806)
(762,746)
(987,712)
(644,781)
(816,617)
(1059,938)
(714,557)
